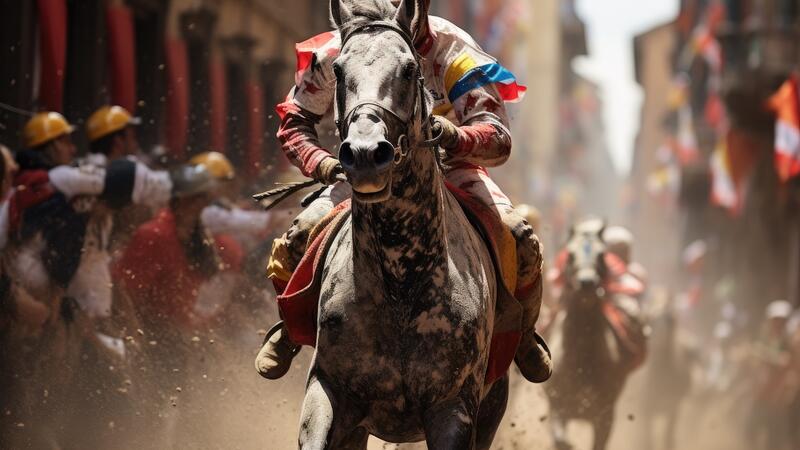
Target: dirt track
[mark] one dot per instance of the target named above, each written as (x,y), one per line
(233,408)
(223,404)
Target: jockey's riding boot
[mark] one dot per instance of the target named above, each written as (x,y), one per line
(276,354)
(533,358)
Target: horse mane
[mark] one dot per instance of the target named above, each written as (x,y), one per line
(364,11)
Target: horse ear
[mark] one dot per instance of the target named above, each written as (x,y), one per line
(410,14)
(340,13)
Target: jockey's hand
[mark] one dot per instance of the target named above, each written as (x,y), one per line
(329,171)
(448,131)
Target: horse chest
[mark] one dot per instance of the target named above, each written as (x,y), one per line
(400,346)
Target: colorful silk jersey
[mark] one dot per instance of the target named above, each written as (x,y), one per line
(468,87)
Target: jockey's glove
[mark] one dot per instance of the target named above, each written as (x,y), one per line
(329,171)
(447,130)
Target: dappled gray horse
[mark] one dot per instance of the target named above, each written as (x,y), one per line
(408,292)
(589,371)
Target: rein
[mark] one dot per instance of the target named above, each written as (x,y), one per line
(420,113)
(401,149)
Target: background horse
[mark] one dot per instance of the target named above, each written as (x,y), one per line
(589,368)
(408,292)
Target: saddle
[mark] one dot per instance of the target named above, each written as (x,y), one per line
(298,299)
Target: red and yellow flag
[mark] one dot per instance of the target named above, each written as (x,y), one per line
(786,106)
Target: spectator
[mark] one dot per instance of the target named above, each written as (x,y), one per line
(772,369)
(171,257)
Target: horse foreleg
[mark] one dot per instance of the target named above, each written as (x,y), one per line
(602,429)
(326,423)
(450,425)
(491,412)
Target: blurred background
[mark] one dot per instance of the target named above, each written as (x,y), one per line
(657,115)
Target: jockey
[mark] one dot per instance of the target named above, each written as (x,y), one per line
(630,276)
(469,113)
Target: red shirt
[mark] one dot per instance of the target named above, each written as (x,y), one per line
(155,271)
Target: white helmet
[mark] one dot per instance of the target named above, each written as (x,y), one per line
(779,309)
(619,241)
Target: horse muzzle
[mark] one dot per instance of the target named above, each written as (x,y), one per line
(367,158)
(586,280)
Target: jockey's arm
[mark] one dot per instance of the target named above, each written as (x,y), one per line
(306,104)
(298,137)
(483,137)
(471,79)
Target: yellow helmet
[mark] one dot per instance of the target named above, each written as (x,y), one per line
(43,128)
(107,120)
(216,163)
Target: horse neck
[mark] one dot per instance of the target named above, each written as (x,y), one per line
(585,324)
(405,236)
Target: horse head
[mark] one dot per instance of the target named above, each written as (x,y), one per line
(585,269)
(382,107)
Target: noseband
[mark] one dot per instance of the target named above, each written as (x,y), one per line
(420,112)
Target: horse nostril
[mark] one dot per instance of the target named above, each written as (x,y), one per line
(346,156)
(384,154)
(587,284)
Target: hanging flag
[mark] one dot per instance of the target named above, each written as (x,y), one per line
(723,188)
(704,41)
(684,145)
(786,106)
(714,111)
(706,44)
(731,166)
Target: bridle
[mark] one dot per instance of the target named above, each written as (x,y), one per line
(421,114)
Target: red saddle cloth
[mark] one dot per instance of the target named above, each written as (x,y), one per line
(298,300)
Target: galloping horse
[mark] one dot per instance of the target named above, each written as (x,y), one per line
(408,291)
(590,370)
